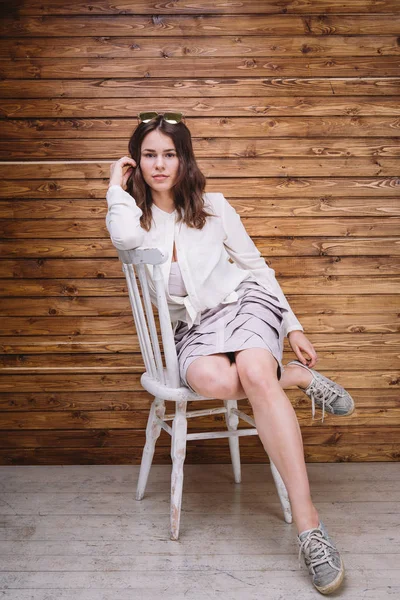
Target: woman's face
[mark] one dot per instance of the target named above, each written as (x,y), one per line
(159,162)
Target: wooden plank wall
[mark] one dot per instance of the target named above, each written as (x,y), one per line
(295,113)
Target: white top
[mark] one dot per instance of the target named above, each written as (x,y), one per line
(176,285)
(213,260)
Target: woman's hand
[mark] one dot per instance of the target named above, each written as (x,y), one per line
(117,174)
(299,344)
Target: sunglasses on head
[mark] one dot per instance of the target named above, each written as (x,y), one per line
(170,117)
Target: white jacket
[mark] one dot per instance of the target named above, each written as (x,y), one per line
(209,276)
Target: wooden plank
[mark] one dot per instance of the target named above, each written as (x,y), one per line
(279,167)
(205,148)
(104,527)
(147,7)
(120,306)
(98,343)
(73,248)
(323,342)
(283,266)
(260,207)
(132,456)
(211,127)
(268,246)
(141,400)
(199,87)
(171,25)
(103,479)
(214,46)
(86,68)
(51,503)
(330,284)
(129,362)
(206,107)
(78,420)
(255,187)
(280,227)
(76,326)
(335,436)
(114,382)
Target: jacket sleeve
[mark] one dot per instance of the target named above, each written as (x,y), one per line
(246,255)
(123,219)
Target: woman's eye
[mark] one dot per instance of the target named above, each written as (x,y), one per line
(169,154)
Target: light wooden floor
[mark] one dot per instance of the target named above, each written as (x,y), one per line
(78,532)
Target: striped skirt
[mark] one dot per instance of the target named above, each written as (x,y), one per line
(253,321)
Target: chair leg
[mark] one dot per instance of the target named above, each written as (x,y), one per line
(232,422)
(282,493)
(178,454)
(153,430)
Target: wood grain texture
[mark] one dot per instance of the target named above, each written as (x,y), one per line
(210,87)
(221,148)
(283,266)
(255,187)
(306,304)
(225,127)
(144,7)
(173,24)
(65,68)
(296,167)
(268,246)
(212,46)
(294,112)
(326,206)
(272,105)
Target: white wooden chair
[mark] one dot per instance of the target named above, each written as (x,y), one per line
(164,384)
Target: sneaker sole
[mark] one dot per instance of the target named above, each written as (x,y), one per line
(348,413)
(328,589)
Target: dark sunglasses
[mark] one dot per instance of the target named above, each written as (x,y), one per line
(171,117)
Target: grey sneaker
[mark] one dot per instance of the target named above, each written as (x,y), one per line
(323,560)
(327,394)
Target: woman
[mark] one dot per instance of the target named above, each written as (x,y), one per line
(230,315)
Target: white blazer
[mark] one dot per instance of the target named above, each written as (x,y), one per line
(204,255)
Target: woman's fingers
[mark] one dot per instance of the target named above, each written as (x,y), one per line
(303,349)
(312,357)
(125,160)
(118,171)
(127,175)
(309,358)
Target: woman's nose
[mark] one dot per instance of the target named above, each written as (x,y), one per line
(160,161)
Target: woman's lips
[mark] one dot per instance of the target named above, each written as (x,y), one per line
(160,177)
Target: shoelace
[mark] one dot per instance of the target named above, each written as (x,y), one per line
(318,553)
(318,394)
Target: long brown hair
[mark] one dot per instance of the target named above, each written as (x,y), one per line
(190,184)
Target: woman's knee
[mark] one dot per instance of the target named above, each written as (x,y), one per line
(257,369)
(213,376)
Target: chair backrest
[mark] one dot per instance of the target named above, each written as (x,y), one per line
(134,266)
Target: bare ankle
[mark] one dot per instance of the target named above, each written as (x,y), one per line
(303,377)
(307,521)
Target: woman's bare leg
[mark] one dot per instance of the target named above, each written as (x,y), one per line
(295,375)
(278,429)
(291,376)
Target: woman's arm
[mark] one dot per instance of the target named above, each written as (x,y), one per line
(246,255)
(123,216)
